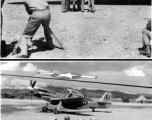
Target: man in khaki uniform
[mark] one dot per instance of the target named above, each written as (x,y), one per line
(80,5)
(39,12)
(146,39)
(91,6)
(65,5)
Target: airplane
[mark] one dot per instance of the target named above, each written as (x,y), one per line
(132,87)
(76,102)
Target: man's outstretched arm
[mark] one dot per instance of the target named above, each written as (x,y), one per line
(27,8)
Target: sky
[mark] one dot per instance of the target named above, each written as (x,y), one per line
(106,70)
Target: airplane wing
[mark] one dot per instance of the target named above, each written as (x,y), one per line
(58,75)
(137,87)
(58,99)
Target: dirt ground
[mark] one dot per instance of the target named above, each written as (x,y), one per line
(112,32)
(12,109)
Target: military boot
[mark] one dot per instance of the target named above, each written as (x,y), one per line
(146,51)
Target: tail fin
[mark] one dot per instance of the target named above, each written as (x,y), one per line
(106,98)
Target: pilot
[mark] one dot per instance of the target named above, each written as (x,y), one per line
(69,93)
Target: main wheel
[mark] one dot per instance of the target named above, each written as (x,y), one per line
(55,111)
(44,109)
(93,110)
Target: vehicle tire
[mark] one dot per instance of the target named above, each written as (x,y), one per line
(44,109)
(55,111)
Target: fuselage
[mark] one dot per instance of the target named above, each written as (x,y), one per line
(73,103)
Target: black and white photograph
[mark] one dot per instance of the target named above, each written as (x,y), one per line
(76,90)
(76,29)
(76,60)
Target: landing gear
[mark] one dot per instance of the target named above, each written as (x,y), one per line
(93,110)
(55,111)
(45,109)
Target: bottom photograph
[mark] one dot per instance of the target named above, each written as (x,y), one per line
(76,90)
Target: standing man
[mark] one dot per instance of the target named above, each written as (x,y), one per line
(73,4)
(39,12)
(65,5)
(91,6)
(80,5)
(146,39)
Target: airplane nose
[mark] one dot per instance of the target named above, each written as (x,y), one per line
(30,88)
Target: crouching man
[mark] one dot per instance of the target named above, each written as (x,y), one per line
(146,40)
(39,12)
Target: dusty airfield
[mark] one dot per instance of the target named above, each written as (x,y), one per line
(113,31)
(21,110)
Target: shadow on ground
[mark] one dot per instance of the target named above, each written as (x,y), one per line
(81,113)
(39,44)
(69,113)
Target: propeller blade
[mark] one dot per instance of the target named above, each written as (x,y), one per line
(33,85)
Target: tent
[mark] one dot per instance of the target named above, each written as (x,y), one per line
(141,99)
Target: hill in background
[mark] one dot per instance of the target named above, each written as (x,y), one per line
(86,92)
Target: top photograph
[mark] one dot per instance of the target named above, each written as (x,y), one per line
(76,29)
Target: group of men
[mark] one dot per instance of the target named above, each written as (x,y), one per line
(80,5)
